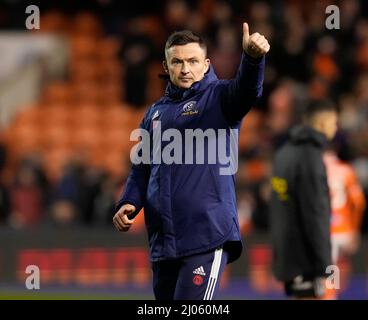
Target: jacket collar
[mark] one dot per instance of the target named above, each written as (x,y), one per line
(175,93)
(306,133)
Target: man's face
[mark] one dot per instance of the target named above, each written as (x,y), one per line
(329,126)
(186,64)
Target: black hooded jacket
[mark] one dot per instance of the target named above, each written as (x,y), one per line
(300,207)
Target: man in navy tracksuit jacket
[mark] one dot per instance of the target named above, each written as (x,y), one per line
(190,208)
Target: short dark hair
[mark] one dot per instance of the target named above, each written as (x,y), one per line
(317,106)
(181,38)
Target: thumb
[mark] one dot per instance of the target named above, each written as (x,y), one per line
(245,32)
(130,207)
(127,212)
(126,209)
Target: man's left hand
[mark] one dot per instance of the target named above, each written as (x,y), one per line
(255,45)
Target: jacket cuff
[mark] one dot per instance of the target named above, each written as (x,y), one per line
(129,201)
(252,60)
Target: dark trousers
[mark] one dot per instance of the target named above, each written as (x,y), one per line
(195,277)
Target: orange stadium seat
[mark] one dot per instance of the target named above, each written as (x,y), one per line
(23,139)
(86,23)
(111,71)
(87,115)
(56,115)
(83,116)
(117,139)
(111,93)
(28,115)
(54,21)
(57,92)
(86,138)
(136,117)
(86,93)
(84,47)
(85,70)
(116,116)
(56,135)
(109,48)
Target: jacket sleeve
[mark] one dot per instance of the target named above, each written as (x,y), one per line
(238,95)
(314,208)
(136,186)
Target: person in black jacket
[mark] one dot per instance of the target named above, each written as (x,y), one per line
(300,207)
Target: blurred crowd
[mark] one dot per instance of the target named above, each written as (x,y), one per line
(306,61)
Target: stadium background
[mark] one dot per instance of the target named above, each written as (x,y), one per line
(71,92)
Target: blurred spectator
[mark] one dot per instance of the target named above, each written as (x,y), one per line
(290,54)
(300,206)
(177,15)
(347,207)
(349,116)
(246,203)
(281,111)
(260,217)
(69,187)
(361,167)
(63,213)
(91,185)
(225,55)
(35,162)
(222,13)
(104,203)
(26,198)
(4,204)
(137,52)
(79,186)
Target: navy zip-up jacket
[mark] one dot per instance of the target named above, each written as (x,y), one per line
(191,208)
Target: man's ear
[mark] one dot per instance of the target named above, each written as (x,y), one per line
(164,64)
(207,63)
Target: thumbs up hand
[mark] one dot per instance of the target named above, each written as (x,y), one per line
(255,45)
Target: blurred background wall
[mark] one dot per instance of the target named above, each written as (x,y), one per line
(72,91)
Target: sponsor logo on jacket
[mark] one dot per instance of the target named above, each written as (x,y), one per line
(280,186)
(189,108)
